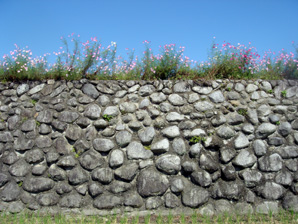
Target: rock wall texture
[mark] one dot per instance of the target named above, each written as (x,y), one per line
(148,145)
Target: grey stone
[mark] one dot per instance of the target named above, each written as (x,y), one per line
(264,130)
(34,156)
(127,107)
(203,106)
(161,146)
(10,192)
(71,201)
(151,183)
(22,88)
(77,176)
(10,158)
(291,92)
(225,132)
(103,175)
(6,137)
(201,178)
(67,161)
(146,90)
(123,138)
(239,87)
(193,97)
(157,97)
(170,164)
(233,95)
(62,146)
(271,162)
(103,100)
(171,200)
(56,173)
(208,163)
(3,179)
(271,190)
(165,107)
(259,147)
(95,190)
(241,141)
(245,158)
(92,111)
(174,116)
(15,207)
(171,131)
(37,184)
(218,120)
(176,100)
(90,90)
(288,152)
(179,146)
(45,116)
(248,128)
(44,129)
(276,141)
(207,210)
(284,128)
(127,172)
(117,187)
(228,172)
(290,202)
(153,202)
(189,166)
(294,124)
(106,201)
(52,157)
(43,142)
(177,185)
(47,199)
(227,190)
(284,178)
(227,154)
(39,169)
(19,169)
(263,110)
(103,145)
(111,111)
(104,89)
(202,90)
(251,177)
(252,116)
(235,118)
(13,122)
(147,135)
(195,150)
(136,150)
(243,208)
(181,87)
(36,89)
(217,97)
(223,206)
(58,90)
(68,116)
(251,88)
(195,196)
(133,200)
(116,158)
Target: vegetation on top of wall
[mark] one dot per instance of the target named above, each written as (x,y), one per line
(93,61)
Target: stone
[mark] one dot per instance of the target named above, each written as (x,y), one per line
(43,142)
(92,111)
(284,128)
(71,201)
(103,175)
(181,87)
(103,145)
(111,111)
(45,116)
(12,122)
(195,150)
(119,187)
(228,172)
(251,177)
(252,116)
(3,179)
(77,176)
(288,152)
(259,147)
(56,173)
(67,161)
(202,90)
(153,203)
(245,158)
(171,131)
(90,90)
(195,196)
(276,141)
(62,146)
(157,98)
(68,116)
(264,130)
(176,100)
(151,183)
(36,89)
(174,116)
(270,163)
(284,178)
(225,132)
(34,156)
(103,100)
(6,137)
(133,200)
(147,135)
(251,88)
(19,169)
(290,202)
(263,110)
(241,141)
(243,208)
(107,201)
(217,97)
(9,159)
(116,158)
(201,178)
(179,146)
(22,88)
(161,146)
(15,207)
(223,206)
(37,184)
(227,154)
(208,163)
(267,207)
(47,199)
(136,150)
(95,190)
(10,192)
(146,90)
(127,172)
(169,164)
(227,190)
(123,138)
(235,118)
(203,106)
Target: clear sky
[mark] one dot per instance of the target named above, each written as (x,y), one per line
(39,24)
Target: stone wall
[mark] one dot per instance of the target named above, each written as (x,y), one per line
(93,146)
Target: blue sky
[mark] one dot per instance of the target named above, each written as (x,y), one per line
(39,24)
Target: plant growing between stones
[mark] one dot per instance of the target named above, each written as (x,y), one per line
(283,93)
(270,91)
(33,102)
(20,184)
(197,139)
(242,112)
(107,117)
(147,147)
(37,123)
(277,122)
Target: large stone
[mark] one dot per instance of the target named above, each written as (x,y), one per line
(284,177)
(34,156)
(136,150)
(245,158)
(103,175)
(288,152)
(170,164)
(10,192)
(67,162)
(62,146)
(77,176)
(117,187)
(241,141)
(195,196)
(208,163)
(153,203)
(203,106)
(45,116)
(202,90)
(151,183)
(171,131)
(6,137)
(13,122)
(227,190)
(95,189)
(22,88)
(225,132)
(37,184)
(235,118)
(36,89)
(127,172)
(123,138)
(270,163)
(19,169)
(217,97)
(179,146)
(290,202)
(146,90)
(3,179)
(202,178)
(116,158)
(133,199)
(107,201)
(251,177)
(111,111)
(176,100)
(90,90)
(146,135)
(284,128)
(56,173)
(92,111)
(181,87)
(103,145)
(43,142)
(161,146)
(71,201)
(68,116)
(264,130)
(271,190)
(227,154)
(47,199)
(259,147)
